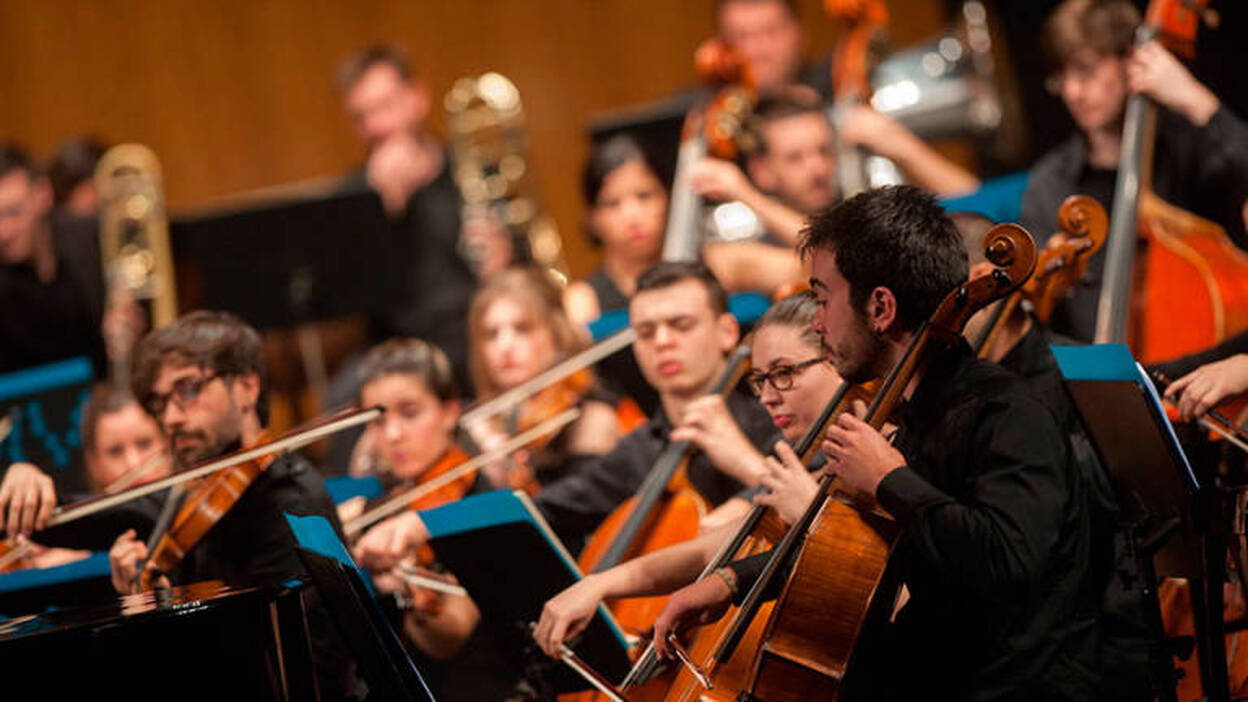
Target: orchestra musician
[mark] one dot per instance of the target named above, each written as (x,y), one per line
(410,170)
(1201,161)
(51,287)
(793,382)
(627,216)
(684,333)
(996,537)
(1206,379)
(120,442)
(518,330)
(412,381)
(202,378)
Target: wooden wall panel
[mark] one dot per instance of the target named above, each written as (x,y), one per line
(238,94)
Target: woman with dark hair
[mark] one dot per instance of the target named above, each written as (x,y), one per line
(627,216)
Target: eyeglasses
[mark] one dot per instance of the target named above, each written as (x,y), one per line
(183,393)
(780,377)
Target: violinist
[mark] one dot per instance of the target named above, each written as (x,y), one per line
(517,329)
(684,333)
(120,442)
(1201,161)
(412,381)
(202,378)
(793,383)
(995,529)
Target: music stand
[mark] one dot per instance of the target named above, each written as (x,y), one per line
(502,551)
(1158,492)
(282,264)
(348,594)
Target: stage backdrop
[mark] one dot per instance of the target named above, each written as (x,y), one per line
(238,94)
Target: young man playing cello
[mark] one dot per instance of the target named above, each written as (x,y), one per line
(995,523)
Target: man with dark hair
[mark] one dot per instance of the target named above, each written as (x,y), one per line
(202,378)
(438,256)
(995,544)
(769,36)
(684,333)
(1201,153)
(50,282)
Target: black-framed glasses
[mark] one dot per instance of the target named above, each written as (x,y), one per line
(183,393)
(780,377)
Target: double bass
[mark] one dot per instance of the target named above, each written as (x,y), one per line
(1174,283)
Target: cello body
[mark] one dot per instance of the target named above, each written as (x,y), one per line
(832,594)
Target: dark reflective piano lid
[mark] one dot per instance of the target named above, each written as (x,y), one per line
(183,600)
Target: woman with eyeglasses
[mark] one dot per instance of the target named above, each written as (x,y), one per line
(794,383)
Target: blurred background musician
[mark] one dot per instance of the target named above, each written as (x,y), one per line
(409,169)
(1201,159)
(51,288)
(71,172)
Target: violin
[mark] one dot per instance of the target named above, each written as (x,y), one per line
(1058,267)
(843,544)
(1189,288)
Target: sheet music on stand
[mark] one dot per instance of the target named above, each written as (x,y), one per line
(502,551)
(1137,445)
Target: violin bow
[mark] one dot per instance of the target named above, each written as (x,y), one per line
(289,442)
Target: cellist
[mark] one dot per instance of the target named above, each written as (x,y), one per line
(996,543)
(1201,159)
(203,379)
(684,332)
(793,382)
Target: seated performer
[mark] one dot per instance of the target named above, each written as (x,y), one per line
(995,527)
(412,381)
(121,444)
(518,331)
(1201,161)
(794,384)
(51,289)
(684,332)
(627,217)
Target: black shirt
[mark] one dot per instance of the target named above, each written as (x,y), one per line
(433,282)
(995,547)
(1202,169)
(577,504)
(44,322)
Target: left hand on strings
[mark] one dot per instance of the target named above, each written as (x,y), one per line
(859,454)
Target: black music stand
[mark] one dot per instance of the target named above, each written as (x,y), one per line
(502,551)
(281,264)
(1172,531)
(348,595)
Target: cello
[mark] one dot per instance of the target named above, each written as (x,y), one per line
(1058,267)
(1188,290)
(843,541)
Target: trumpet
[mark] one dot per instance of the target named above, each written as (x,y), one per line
(485,119)
(134,243)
